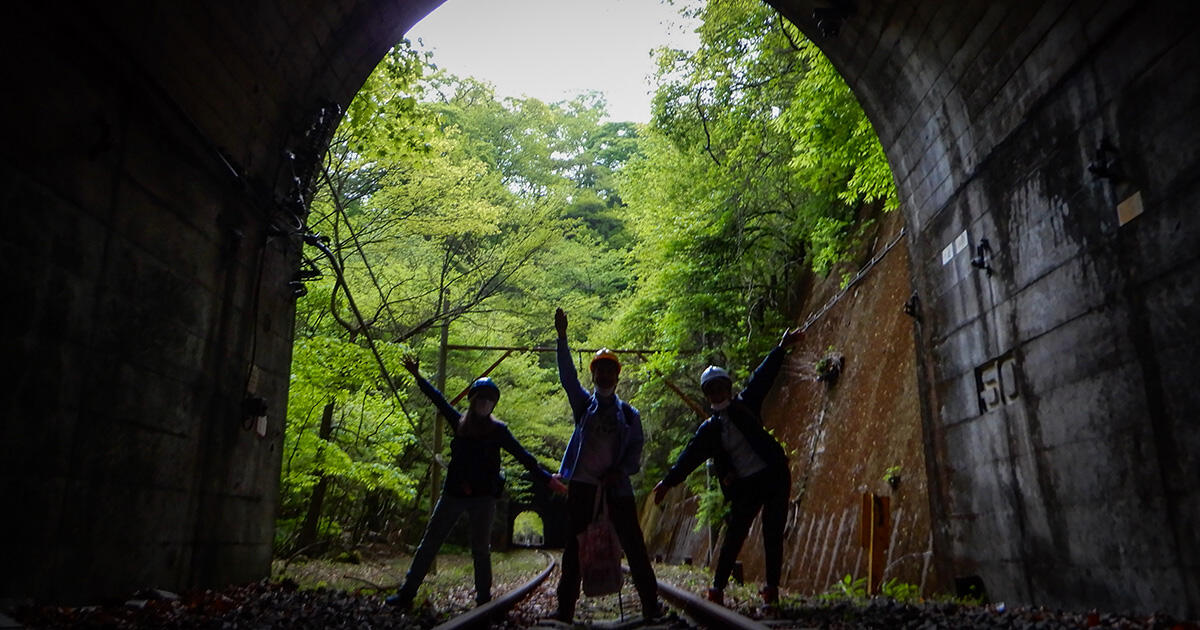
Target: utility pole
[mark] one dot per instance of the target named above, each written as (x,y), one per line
(435,478)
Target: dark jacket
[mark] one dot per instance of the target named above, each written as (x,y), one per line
(474,469)
(745,410)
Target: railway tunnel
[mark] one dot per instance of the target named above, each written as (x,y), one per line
(156,159)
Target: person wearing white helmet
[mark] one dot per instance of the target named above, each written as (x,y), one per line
(472,482)
(604,450)
(749,462)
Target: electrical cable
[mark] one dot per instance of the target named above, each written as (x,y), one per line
(316,241)
(339,209)
(812,319)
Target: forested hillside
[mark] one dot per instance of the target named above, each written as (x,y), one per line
(446,206)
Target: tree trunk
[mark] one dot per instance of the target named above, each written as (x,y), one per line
(308,530)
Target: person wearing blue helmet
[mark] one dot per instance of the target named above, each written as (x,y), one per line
(749,462)
(472,482)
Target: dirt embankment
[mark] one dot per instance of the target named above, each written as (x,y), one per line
(845,437)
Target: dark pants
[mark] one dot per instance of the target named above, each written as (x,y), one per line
(581,501)
(769,491)
(479,511)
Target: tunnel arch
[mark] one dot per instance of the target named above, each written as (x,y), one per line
(1001,122)
(150,157)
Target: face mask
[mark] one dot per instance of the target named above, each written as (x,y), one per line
(483,406)
(721,406)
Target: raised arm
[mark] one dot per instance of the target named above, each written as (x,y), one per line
(447,410)
(576,394)
(764,375)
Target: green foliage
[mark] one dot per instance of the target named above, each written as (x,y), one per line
(751,173)
(848,588)
(891,476)
(712,508)
(855,589)
(527,525)
(900,591)
(445,205)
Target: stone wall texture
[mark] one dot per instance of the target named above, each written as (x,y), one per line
(143,169)
(1059,395)
(146,197)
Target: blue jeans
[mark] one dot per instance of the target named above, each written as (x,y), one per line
(480,512)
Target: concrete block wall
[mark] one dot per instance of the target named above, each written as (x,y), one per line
(142,165)
(143,280)
(1059,401)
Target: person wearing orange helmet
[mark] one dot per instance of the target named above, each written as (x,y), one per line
(604,450)
(749,462)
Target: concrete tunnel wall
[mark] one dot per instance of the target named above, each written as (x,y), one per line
(1059,403)
(1059,394)
(143,165)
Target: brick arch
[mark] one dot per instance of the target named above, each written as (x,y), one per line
(555,527)
(145,157)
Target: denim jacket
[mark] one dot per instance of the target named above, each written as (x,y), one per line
(583,407)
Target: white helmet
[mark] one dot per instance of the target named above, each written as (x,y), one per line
(712,373)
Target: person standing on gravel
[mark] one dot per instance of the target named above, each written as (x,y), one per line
(749,462)
(604,450)
(472,483)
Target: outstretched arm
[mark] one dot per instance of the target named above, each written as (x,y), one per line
(509,442)
(694,454)
(452,415)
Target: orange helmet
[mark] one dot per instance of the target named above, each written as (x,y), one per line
(604,354)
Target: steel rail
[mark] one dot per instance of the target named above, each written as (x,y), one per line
(705,612)
(481,616)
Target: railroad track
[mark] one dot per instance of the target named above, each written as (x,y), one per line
(689,611)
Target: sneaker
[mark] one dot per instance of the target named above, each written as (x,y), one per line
(652,613)
(770,595)
(562,615)
(716,596)
(402,600)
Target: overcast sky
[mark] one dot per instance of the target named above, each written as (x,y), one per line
(553,49)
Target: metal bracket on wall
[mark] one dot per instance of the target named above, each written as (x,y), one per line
(305,158)
(830,19)
(983,256)
(1107,163)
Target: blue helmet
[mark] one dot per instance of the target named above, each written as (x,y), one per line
(485,386)
(712,373)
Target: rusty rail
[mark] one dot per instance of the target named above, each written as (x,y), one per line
(481,616)
(705,612)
